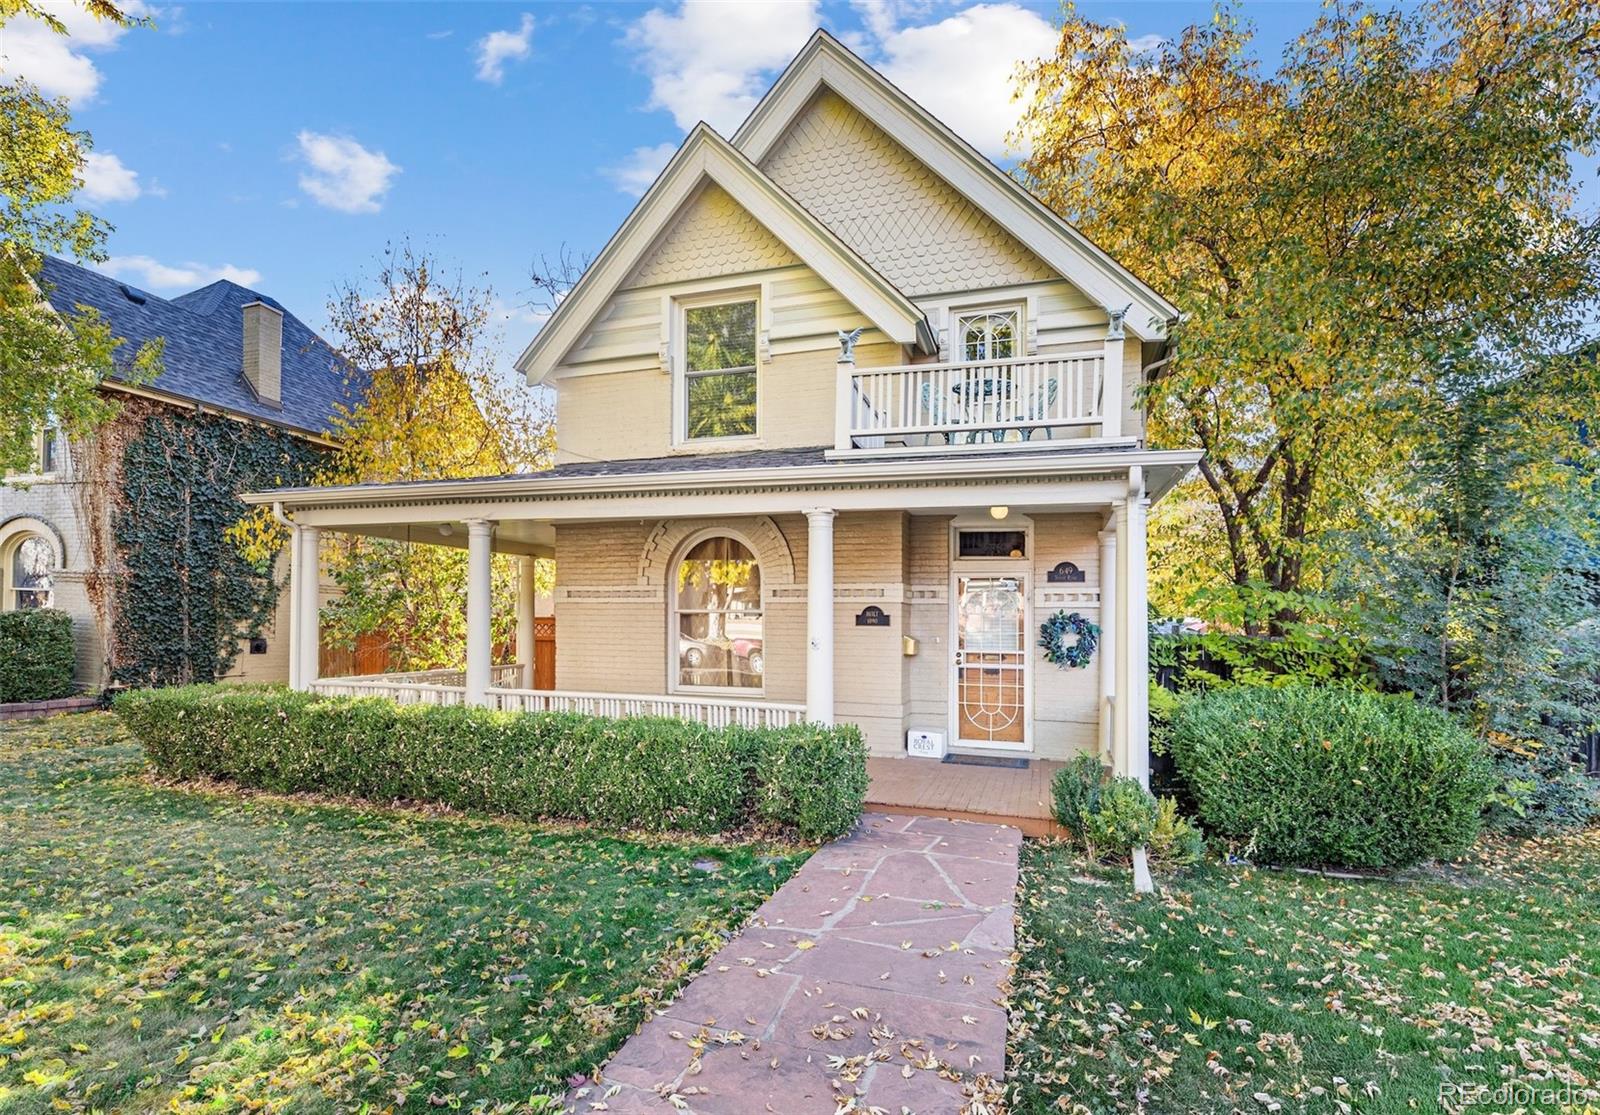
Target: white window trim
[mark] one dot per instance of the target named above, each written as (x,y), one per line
(960,314)
(1012,521)
(12,535)
(680,366)
(674,684)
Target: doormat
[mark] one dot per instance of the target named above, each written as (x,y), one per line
(987,761)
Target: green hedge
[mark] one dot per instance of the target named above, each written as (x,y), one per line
(1316,777)
(638,773)
(36,655)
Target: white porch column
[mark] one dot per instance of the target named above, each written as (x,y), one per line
(480,540)
(1108,643)
(1133,652)
(308,618)
(525,598)
(819,616)
(296,577)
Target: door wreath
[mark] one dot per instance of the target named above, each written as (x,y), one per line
(1054,636)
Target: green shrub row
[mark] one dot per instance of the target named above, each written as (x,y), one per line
(1315,777)
(640,773)
(36,655)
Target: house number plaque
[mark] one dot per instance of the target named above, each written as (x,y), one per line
(1064,573)
(872,616)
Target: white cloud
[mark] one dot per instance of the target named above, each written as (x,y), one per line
(344,175)
(634,174)
(499,47)
(155,275)
(708,61)
(60,64)
(963,68)
(104,178)
(1144,44)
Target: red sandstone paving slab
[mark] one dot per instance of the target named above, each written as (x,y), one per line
(847,1021)
(959,979)
(761,947)
(616,1099)
(924,1092)
(994,851)
(914,876)
(918,936)
(965,830)
(652,1057)
(809,899)
(980,882)
(997,932)
(737,999)
(743,1081)
(889,910)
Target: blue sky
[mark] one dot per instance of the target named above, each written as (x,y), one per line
(283,145)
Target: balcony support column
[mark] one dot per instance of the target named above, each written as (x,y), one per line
(1111,391)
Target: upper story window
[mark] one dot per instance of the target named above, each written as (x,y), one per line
(32,580)
(989,334)
(719,377)
(717,627)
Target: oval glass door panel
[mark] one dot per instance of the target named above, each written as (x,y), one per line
(991,662)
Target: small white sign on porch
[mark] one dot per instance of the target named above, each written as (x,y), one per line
(925,745)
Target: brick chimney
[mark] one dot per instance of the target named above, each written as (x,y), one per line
(263,351)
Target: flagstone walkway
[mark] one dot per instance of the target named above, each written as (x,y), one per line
(875,978)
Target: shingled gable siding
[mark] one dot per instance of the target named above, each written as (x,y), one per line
(614,628)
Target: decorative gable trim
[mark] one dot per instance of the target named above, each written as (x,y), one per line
(827,63)
(707,156)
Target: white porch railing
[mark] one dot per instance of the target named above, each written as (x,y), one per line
(718,712)
(1023,399)
(508,673)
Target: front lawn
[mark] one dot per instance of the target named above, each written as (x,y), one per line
(178,950)
(1245,990)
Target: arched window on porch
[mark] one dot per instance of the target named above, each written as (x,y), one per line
(716,622)
(30,567)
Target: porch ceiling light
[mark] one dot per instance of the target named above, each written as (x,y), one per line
(999,512)
(447,529)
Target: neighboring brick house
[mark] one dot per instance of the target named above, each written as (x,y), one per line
(229,351)
(844,417)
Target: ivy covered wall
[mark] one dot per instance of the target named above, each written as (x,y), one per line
(185,592)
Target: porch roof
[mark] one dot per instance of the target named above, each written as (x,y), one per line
(526,505)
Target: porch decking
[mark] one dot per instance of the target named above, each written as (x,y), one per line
(997,795)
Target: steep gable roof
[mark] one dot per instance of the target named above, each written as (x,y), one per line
(203,358)
(826,64)
(706,156)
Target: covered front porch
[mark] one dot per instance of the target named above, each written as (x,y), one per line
(904,596)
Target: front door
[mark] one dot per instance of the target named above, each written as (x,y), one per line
(991,661)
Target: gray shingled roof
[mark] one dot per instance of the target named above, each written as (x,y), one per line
(204,356)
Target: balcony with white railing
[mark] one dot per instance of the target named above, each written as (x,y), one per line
(1023,400)
(447,687)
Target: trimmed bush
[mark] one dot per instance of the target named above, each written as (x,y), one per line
(36,655)
(1115,816)
(639,773)
(1319,777)
(1075,791)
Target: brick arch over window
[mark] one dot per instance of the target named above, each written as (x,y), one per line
(770,546)
(15,527)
